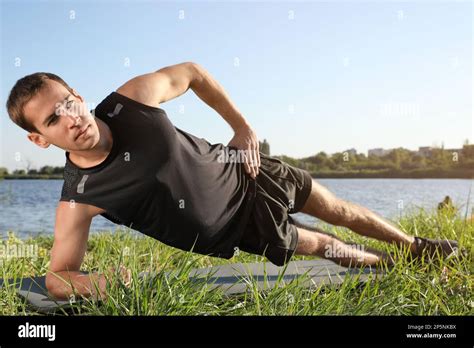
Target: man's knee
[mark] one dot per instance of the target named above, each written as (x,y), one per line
(314,243)
(346,213)
(324,205)
(340,213)
(310,243)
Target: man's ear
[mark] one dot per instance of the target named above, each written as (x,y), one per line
(38,139)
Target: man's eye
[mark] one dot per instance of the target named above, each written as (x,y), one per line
(68,104)
(54,119)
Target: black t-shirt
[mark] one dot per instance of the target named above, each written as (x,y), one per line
(164,182)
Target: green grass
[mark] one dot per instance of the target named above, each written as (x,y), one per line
(437,287)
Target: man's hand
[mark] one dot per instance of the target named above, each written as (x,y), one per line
(108,279)
(61,284)
(125,275)
(246,139)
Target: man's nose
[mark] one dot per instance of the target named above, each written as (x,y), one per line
(74,120)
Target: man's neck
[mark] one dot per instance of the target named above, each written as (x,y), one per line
(96,155)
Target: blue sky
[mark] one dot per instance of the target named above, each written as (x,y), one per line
(309,76)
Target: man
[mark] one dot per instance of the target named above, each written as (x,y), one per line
(128,163)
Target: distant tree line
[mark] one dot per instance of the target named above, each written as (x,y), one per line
(398,163)
(44,171)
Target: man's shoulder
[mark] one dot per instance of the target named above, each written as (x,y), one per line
(135,91)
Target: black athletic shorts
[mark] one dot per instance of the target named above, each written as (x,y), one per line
(281,190)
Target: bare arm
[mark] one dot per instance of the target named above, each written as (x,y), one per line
(70,244)
(213,94)
(173,81)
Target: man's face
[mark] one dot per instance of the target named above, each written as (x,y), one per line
(60,116)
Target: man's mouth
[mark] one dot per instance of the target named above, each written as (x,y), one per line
(81,132)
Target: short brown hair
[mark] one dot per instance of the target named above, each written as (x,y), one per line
(25,89)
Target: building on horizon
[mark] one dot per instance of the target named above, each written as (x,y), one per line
(453,150)
(425,151)
(264,147)
(351,151)
(379,152)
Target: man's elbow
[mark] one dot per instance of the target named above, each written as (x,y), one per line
(197,73)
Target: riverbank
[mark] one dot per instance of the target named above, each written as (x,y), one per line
(360,174)
(32,177)
(440,287)
(397,174)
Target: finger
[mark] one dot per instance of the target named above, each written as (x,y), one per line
(126,274)
(128,277)
(246,164)
(248,157)
(252,168)
(258,154)
(257,160)
(253,162)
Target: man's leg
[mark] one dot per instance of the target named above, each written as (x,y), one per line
(324,205)
(332,248)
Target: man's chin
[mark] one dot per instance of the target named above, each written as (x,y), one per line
(75,149)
